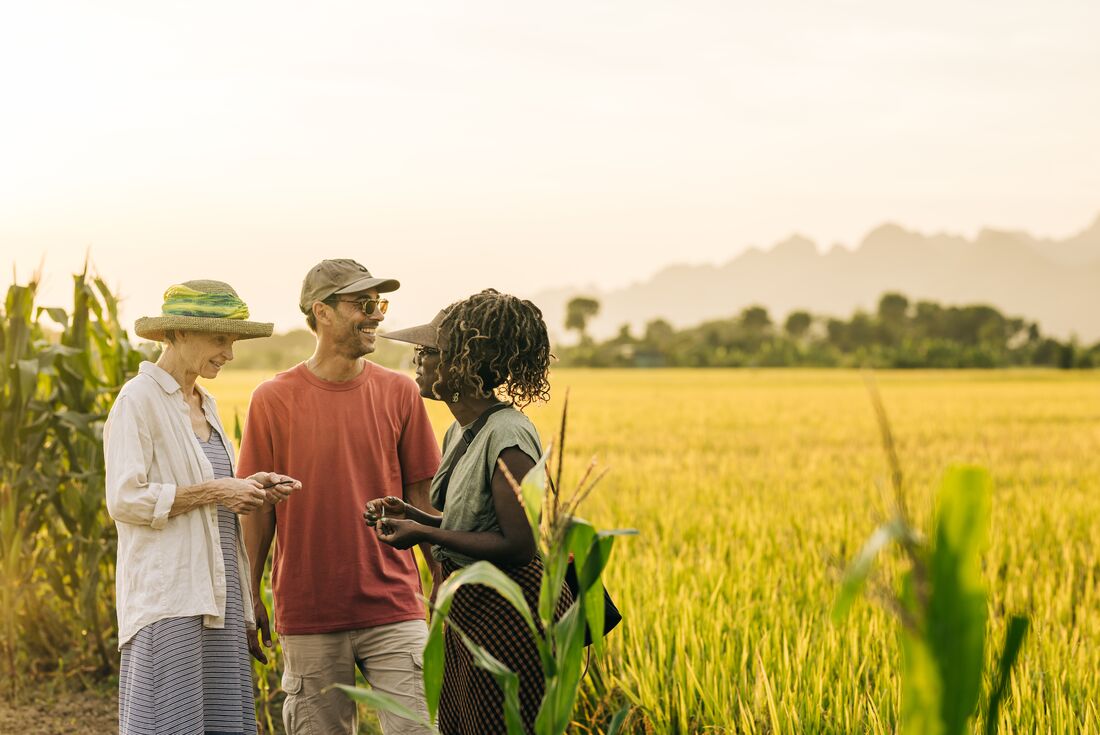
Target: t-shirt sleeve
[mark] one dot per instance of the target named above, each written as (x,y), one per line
(520,435)
(417,449)
(257,452)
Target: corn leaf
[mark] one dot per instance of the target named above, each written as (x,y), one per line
(533,491)
(561,689)
(1014,640)
(382,701)
(957,604)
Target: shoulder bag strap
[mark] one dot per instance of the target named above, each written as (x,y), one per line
(467,439)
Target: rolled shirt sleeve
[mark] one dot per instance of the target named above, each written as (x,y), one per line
(128,449)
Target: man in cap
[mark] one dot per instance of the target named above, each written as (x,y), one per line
(351,431)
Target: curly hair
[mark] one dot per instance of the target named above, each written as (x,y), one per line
(493,342)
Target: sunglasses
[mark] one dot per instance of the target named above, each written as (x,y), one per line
(369,306)
(420,352)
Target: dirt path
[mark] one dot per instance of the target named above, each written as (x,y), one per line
(86,713)
(94,713)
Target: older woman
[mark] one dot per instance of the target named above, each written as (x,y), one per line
(182,592)
(487,347)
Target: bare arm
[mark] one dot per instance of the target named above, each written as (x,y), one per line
(417,496)
(513,545)
(240,496)
(259,532)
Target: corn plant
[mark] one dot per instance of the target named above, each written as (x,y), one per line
(942,601)
(562,538)
(57,544)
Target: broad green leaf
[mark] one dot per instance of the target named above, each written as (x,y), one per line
(57,314)
(28,377)
(1014,640)
(957,602)
(579,539)
(561,690)
(488,574)
(590,583)
(921,689)
(434,654)
(921,685)
(533,491)
(78,421)
(594,566)
(578,536)
(58,349)
(382,701)
(109,299)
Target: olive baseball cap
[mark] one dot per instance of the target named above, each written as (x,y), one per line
(339,275)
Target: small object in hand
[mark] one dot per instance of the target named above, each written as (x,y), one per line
(283,485)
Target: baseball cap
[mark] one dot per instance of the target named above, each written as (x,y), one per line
(339,275)
(426,335)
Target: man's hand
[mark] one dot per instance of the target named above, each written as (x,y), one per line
(387,507)
(263,628)
(278,487)
(399,533)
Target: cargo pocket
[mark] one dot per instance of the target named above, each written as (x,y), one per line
(295,717)
(418,702)
(292,684)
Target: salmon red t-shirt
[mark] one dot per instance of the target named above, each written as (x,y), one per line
(348,443)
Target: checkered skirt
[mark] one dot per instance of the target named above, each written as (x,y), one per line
(471,702)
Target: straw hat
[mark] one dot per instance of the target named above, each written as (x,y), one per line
(202,306)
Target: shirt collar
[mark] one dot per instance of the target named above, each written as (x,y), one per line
(165,380)
(162,377)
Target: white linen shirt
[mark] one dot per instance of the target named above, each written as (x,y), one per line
(167,567)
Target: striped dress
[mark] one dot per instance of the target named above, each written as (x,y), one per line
(181,678)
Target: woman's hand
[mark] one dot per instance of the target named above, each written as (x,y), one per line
(387,507)
(278,487)
(241,496)
(399,533)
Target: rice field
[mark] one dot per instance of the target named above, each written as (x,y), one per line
(750,487)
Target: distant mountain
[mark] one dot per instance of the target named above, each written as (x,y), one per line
(1054,282)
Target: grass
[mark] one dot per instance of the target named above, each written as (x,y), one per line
(750,488)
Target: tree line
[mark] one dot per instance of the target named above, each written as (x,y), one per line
(898,334)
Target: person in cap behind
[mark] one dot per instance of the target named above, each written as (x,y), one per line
(182,586)
(474,353)
(351,431)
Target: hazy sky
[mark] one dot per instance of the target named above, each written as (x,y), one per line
(524,146)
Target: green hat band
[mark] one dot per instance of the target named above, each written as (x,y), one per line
(184,301)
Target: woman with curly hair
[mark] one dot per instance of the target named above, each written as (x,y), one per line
(486,357)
